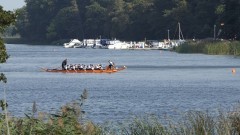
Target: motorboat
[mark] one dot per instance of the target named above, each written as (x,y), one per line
(95,43)
(73,44)
(116,44)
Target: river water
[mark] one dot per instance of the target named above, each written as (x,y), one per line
(155,82)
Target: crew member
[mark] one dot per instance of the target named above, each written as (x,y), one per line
(64,63)
(111,64)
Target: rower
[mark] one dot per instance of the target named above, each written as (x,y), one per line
(100,66)
(97,67)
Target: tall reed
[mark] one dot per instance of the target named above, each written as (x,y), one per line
(210,47)
(69,121)
(145,126)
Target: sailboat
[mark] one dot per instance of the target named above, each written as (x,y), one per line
(169,44)
(180,37)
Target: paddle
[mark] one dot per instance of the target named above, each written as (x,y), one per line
(64,69)
(75,70)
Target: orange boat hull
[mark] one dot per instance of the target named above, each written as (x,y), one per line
(85,71)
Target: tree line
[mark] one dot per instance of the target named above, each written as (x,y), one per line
(53,20)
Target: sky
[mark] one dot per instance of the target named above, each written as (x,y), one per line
(12,4)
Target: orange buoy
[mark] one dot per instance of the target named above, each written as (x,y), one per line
(233,70)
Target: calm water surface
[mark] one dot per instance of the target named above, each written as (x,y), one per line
(155,82)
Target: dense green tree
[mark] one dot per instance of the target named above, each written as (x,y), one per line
(140,12)
(202,18)
(82,4)
(127,19)
(180,13)
(95,19)
(65,24)
(7,18)
(119,19)
(160,24)
(38,19)
(22,22)
(229,19)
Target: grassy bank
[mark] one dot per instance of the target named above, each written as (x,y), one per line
(210,47)
(69,121)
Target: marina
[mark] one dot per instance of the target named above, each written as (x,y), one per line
(121,45)
(166,44)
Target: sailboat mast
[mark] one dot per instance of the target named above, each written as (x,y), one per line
(168,36)
(179,31)
(180,35)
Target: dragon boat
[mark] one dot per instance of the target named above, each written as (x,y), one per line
(106,70)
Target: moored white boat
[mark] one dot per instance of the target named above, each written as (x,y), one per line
(94,43)
(116,44)
(166,45)
(73,43)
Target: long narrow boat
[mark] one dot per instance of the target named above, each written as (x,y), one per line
(85,71)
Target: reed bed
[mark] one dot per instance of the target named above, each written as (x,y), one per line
(69,120)
(210,47)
